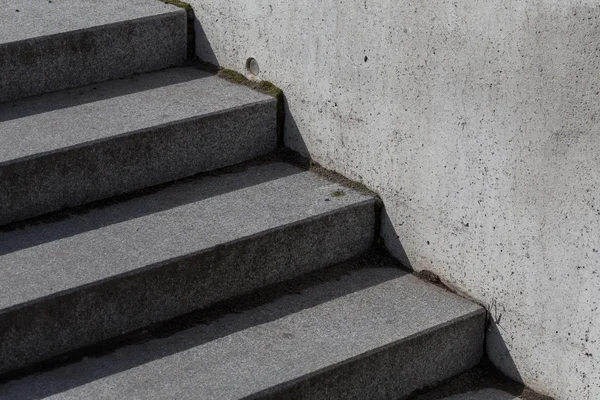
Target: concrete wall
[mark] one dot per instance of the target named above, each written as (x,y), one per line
(478,123)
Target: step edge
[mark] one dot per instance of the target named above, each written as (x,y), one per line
(273,390)
(93,28)
(159,264)
(82,145)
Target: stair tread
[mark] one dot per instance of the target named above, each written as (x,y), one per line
(51,122)
(186,218)
(44,18)
(268,348)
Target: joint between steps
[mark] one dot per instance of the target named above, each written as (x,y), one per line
(191,29)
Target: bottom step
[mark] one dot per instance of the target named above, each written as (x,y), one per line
(373,333)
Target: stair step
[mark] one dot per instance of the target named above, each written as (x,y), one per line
(70,283)
(374,333)
(52,45)
(76,146)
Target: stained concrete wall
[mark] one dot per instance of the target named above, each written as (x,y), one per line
(478,123)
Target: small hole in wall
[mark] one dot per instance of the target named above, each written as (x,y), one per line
(252,66)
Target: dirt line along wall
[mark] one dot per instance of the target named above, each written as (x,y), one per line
(477,121)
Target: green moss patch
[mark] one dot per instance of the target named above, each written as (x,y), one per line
(180,4)
(265,87)
(262,86)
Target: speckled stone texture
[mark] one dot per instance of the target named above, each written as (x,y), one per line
(73,147)
(111,270)
(485,394)
(51,45)
(376,333)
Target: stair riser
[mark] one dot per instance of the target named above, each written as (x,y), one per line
(51,182)
(66,322)
(55,62)
(397,370)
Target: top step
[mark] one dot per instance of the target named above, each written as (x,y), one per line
(58,44)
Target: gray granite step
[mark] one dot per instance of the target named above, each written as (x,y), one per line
(484,394)
(74,282)
(375,333)
(52,45)
(76,146)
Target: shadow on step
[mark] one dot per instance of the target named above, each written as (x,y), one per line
(482,382)
(98,92)
(495,342)
(148,201)
(171,338)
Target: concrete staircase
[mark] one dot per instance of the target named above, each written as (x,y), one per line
(153,247)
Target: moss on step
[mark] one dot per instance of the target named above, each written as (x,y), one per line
(262,86)
(265,87)
(180,4)
(430,277)
(287,154)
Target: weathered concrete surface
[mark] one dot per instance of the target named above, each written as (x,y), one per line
(79,145)
(478,123)
(96,275)
(376,333)
(52,45)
